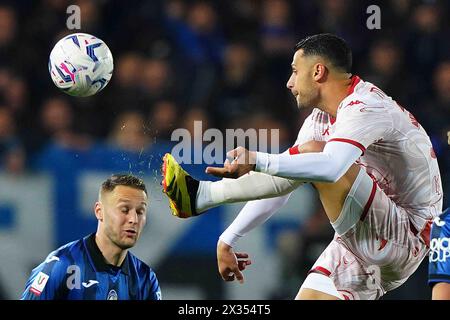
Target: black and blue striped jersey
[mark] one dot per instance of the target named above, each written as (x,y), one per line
(439,260)
(78,271)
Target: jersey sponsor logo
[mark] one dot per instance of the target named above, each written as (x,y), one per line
(90,283)
(439,249)
(112,295)
(326,131)
(39,283)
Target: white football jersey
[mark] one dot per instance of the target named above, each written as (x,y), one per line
(397,152)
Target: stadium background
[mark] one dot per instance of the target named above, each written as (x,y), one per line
(223,62)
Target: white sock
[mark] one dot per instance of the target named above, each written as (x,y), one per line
(252,186)
(203,200)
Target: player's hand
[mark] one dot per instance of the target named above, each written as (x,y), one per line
(231,263)
(243,162)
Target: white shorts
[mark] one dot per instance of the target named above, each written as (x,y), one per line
(375,248)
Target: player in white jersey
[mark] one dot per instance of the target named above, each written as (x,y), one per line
(371,162)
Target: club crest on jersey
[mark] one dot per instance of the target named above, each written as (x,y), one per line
(112,295)
(39,283)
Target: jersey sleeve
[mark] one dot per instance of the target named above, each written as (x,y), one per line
(154,291)
(361,124)
(47,281)
(439,258)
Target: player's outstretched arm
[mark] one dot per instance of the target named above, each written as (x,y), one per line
(326,166)
(189,197)
(252,186)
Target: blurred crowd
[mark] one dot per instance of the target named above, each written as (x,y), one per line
(224,62)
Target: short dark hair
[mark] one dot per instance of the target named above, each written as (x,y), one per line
(123,180)
(329,46)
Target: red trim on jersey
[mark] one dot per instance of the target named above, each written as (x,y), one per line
(383,243)
(346,291)
(424,234)
(369,202)
(355,81)
(294,150)
(321,270)
(332,120)
(356,144)
(432,153)
(35,291)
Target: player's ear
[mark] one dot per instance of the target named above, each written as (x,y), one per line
(98,209)
(320,72)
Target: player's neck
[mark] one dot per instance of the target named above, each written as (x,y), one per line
(333,94)
(112,254)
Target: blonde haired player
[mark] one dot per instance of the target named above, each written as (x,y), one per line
(375,171)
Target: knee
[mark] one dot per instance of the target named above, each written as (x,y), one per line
(312,146)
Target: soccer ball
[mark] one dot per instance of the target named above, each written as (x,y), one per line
(80,64)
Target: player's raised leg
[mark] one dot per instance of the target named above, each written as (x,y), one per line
(189,197)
